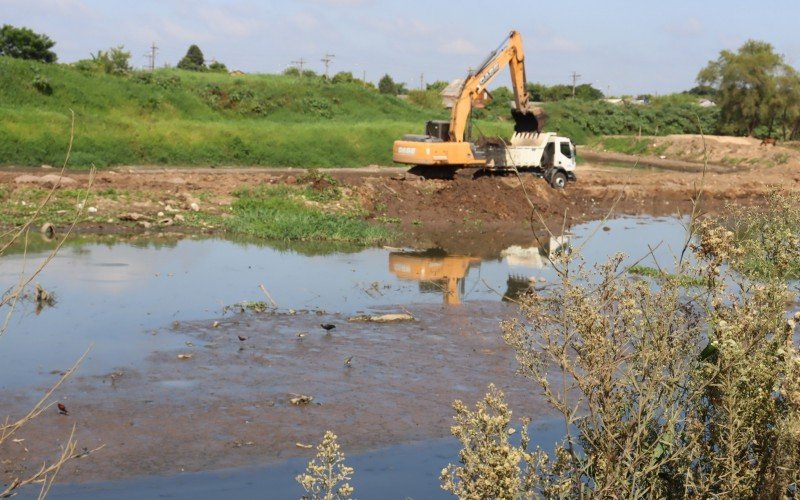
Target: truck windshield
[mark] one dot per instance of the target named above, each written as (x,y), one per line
(566,150)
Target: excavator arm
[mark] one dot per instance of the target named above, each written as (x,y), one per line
(509,53)
(444,144)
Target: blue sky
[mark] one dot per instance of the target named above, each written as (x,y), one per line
(620,47)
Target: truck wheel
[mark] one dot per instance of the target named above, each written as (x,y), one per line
(558,180)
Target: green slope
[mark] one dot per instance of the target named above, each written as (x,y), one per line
(182,118)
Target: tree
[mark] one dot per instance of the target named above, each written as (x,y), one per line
(343,77)
(438,85)
(23,43)
(217,67)
(114,61)
(702,91)
(588,93)
(746,84)
(387,85)
(193,60)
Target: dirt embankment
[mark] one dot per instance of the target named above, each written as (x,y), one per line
(444,213)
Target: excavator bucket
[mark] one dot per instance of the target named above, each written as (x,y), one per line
(530,120)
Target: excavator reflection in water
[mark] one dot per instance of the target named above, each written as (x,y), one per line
(438,271)
(435,270)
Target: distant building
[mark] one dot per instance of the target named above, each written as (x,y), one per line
(705,103)
(451,92)
(236,72)
(614,100)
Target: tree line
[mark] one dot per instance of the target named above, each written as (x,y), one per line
(757,92)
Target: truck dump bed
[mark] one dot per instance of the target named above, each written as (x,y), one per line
(525,150)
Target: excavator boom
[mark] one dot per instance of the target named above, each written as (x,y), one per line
(473,91)
(445,143)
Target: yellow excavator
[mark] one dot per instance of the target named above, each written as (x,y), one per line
(445,147)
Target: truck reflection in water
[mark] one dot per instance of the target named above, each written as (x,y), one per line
(521,260)
(439,272)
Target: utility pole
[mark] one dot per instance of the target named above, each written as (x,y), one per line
(422,81)
(299,64)
(327,60)
(151,57)
(575,77)
(364,77)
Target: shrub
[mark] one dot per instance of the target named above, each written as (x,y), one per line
(666,392)
(42,84)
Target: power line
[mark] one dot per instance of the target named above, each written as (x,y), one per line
(327,60)
(153,50)
(575,77)
(299,64)
(151,57)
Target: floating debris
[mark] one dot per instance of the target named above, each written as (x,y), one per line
(185,356)
(381,318)
(301,399)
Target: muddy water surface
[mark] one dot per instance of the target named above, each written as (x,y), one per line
(227,403)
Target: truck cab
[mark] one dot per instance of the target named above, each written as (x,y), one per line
(559,161)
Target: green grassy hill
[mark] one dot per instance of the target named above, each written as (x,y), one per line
(174,117)
(184,118)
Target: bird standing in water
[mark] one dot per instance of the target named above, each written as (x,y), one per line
(62,410)
(328,326)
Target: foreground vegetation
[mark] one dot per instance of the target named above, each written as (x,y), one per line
(664,391)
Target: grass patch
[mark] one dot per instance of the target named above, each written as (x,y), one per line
(625,145)
(683,280)
(282,213)
(768,237)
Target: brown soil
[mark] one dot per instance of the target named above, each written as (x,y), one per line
(444,213)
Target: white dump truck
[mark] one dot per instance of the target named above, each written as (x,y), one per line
(541,153)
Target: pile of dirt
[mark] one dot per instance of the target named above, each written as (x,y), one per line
(724,150)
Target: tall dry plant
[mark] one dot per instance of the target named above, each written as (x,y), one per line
(490,463)
(326,475)
(9,427)
(664,390)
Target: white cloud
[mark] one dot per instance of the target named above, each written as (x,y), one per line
(545,39)
(343,3)
(305,21)
(182,33)
(225,23)
(459,46)
(689,27)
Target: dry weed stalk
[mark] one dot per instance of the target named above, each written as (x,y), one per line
(46,474)
(664,391)
(326,471)
(490,464)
